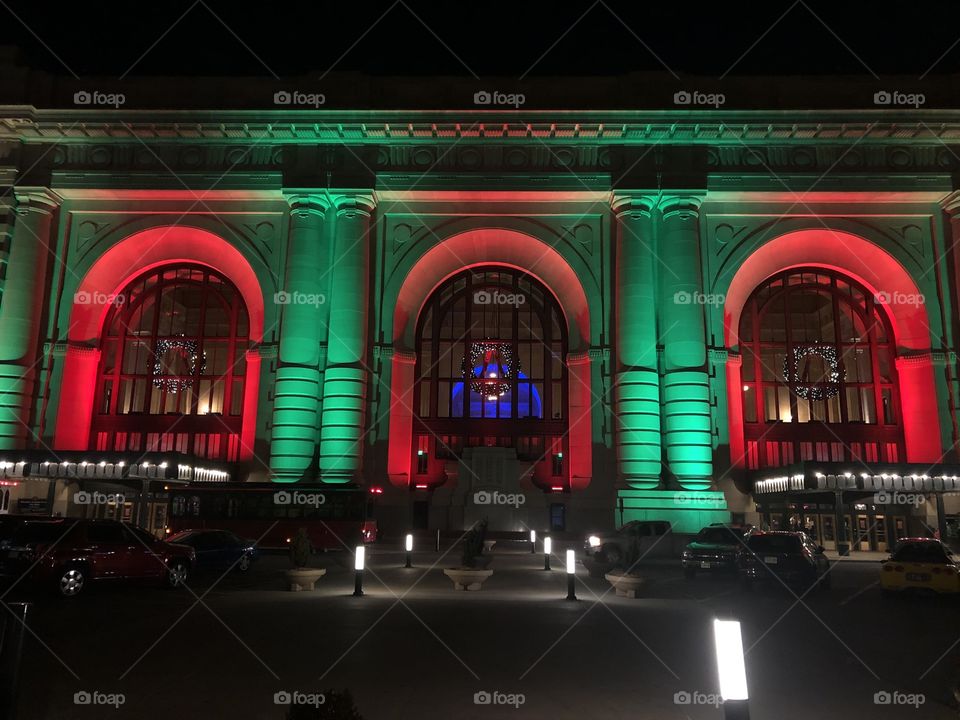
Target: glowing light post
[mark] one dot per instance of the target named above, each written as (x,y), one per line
(358,559)
(571,575)
(731,669)
(533,541)
(409,548)
(547,547)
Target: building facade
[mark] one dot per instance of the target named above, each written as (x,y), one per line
(565,320)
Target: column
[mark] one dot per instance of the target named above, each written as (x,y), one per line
(917,388)
(297,387)
(686,383)
(77,395)
(345,382)
(580,436)
(400,443)
(637,385)
(21,308)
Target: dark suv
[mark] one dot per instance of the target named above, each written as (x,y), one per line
(68,553)
(791,557)
(714,548)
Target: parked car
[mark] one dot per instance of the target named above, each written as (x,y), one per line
(68,553)
(715,547)
(920,564)
(790,557)
(610,548)
(218,549)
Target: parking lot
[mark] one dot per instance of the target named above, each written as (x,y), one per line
(412,647)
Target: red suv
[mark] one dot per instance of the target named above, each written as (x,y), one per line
(68,553)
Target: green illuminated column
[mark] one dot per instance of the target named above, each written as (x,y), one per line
(345,380)
(297,388)
(637,385)
(21,306)
(686,390)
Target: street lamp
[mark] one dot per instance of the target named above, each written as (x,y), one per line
(358,567)
(533,541)
(731,669)
(547,547)
(409,548)
(571,575)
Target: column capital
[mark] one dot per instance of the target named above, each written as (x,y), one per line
(951,204)
(36,199)
(920,359)
(305,203)
(361,202)
(681,205)
(578,358)
(633,203)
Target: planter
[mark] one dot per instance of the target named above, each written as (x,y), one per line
(488,545)
(303,578)
(467,578)
(625,585)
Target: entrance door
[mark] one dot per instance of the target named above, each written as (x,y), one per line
(862,540)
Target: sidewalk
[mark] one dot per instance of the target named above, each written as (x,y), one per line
(858,556)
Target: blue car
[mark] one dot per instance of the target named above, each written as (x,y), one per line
(218,549)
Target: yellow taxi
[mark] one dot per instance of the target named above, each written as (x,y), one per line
(920,564)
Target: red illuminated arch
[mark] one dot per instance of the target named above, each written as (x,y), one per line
(134,255)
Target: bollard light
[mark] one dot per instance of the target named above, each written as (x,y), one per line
(571,575)
(731,670)
(409,547)
(533,541)
(547,549)
(358,559)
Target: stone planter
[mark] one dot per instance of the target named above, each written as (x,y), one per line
(303,578)
(467,578)
(488,545)
(625,585)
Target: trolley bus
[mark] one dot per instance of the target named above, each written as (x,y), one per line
(271,513)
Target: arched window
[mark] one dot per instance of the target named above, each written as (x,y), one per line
(491,348)
(172,366)
(819,380)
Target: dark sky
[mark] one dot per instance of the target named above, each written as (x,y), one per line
(509,39)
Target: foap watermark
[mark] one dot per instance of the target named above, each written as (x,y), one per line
(896,97)
(495,697)
(295,497)
(682,297)
(98,98)
(696,97)
(299,298)
(295,697)
(497,297)
(894,497)
(486,497)
(484,97)
(899,298)
(699,498)
(98,298)
(299,98)
(895,697)
(93,497)
(695,697)
(95,697)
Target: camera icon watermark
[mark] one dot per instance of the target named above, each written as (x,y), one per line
(699,499)
(84,297)
(299,298)
(485,497)
(298,98)
(484,97)
(895,697)
(894,497)
(495,697)
(94,497)
(498,297)
(295,497)
(695,97)
(95,697)
(895,97)
(99,99)
(695,697)
(295,697)
(899,298)
(682,297)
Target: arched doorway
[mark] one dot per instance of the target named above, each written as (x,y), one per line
(491,344)
(172,370)
(819,378)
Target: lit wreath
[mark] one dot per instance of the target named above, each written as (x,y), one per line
(198,361)
(836,375)
(481,354)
